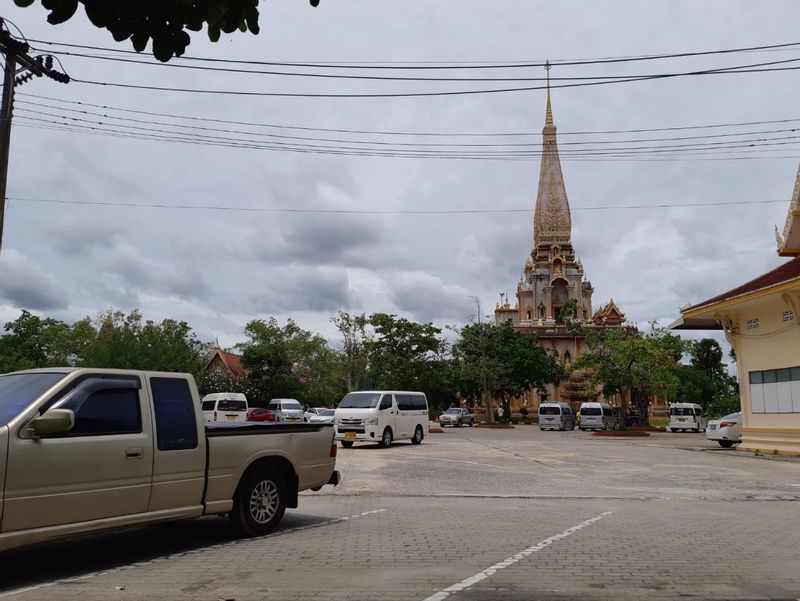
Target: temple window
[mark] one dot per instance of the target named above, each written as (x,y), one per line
(541,311)
(567,358)
(529,314)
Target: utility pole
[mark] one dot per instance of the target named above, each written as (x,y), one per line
(20,67)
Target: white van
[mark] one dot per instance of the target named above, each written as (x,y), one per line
(556,416)
(224,407)
(597,416)
(686,416)
(287,410)
(381,416)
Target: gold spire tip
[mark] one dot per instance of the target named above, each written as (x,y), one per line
(548,119)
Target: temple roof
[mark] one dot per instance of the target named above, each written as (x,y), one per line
(789,241)
(610,314)
(551,222)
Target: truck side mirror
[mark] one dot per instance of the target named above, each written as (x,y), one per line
(54,421)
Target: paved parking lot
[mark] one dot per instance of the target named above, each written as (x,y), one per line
(473,514)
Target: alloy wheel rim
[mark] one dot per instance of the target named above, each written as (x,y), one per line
(264,501)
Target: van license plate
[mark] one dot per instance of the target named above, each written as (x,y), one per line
(681,419)
(231,418)
(349,435)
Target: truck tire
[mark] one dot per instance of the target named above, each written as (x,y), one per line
(386,438)
(260,502)
(727,444)
(347,443)
(417,438)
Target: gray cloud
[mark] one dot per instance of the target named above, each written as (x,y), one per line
(428,298)
(27,285)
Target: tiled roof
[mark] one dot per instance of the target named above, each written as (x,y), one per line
(232,361)
(784,273)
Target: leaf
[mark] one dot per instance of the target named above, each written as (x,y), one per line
(61,11)
(213,33)
(23,3)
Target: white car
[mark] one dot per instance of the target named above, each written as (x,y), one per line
(320,415)
(725,430)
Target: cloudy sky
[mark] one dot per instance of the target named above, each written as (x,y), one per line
(217,269)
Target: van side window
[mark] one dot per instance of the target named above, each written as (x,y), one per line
(176,426)
(418,402)
(386,402)
(405,402)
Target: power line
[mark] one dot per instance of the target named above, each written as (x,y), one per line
(446,65)
(389,143)
(408,133)
(751,155)
(381,212)
(741,69)
(425,152)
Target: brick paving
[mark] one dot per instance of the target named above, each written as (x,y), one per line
(419,520)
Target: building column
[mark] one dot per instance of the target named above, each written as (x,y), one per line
(548,302)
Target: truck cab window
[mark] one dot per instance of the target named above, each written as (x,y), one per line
(176,427)
(111,411)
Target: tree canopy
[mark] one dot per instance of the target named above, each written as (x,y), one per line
(166,22)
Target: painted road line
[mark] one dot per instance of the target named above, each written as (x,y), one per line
(472,580)
(173,556)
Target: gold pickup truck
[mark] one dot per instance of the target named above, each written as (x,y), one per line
(84,450)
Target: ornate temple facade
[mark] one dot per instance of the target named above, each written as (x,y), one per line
(551,277)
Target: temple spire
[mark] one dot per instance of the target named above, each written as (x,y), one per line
(548,118)
(551,223)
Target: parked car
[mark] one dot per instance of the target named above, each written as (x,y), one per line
(225,406)
(556,416)
(457,417)
(382,416)
(287,410)
(315,411)
(686,416)
(725,430)
(96,449)
(323,415)
(261,414)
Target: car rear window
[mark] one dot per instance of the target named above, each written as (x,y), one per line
(591,411)
(232,405)
(549,411)
(681,411)
(291,405)
(208,405)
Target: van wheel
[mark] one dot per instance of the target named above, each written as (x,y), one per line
(725,443)
(417,439)
(386,439)
(260,502)
(347,443)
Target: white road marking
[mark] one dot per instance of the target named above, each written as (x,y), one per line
(472,580)
(171,556)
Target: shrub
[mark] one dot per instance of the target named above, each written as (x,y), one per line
(523,411)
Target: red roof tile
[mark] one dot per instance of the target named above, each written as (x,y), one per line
(232,361)
(783,273)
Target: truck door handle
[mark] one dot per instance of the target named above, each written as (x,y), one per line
(133,452)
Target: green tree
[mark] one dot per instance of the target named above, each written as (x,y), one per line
(166,22)
(624,361)
(354,357)
(706,355)
(31,341)
(399,351)
(130,342)
(288,361)
(499,362)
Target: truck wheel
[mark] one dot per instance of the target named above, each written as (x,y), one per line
(386,439)
(260,502)
(347,443)
(725,443)
(417,438)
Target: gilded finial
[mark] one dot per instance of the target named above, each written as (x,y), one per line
(548,118)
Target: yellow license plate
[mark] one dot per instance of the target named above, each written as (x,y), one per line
(231,418)
(349,435)
(681,419)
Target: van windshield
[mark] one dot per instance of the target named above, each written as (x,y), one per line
(359,401)
(549,410)
(591,411)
